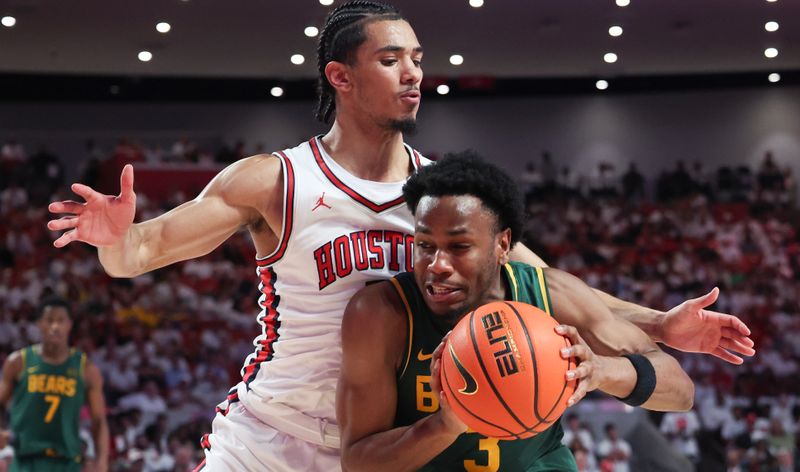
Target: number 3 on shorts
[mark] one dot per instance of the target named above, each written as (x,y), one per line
(493,452)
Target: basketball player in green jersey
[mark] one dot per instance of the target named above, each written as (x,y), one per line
(390,408)
(47,384)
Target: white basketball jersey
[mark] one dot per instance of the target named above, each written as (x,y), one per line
(339,234)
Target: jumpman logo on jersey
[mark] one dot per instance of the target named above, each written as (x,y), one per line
(321,203)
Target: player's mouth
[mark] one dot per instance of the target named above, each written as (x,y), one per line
(412,97)
(443,293)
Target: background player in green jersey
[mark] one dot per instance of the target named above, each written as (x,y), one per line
(467,217)
(44,387)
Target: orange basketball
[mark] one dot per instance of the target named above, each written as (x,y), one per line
(503,373)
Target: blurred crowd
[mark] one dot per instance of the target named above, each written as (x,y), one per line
(171,343)
(679,245)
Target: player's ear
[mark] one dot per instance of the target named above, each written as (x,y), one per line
(503,246)
(338,75)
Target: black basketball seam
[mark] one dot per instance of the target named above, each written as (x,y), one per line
(536,376)
(455,397)
(535,367)
(486,373)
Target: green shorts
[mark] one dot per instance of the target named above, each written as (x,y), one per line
(43,464)
(559,459)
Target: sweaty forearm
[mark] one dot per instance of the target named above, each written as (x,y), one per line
(646,319)
(400,449)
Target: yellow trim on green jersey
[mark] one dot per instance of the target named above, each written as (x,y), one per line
(410,322)
(513,278)
(543,288)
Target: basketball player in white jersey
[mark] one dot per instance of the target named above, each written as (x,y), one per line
(326,217)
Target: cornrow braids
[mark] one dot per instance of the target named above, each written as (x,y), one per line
(341,36)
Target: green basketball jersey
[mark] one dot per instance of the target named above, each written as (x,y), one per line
(471,452)
(46,404)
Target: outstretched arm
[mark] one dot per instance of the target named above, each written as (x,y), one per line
(366,396)
(237,196)
(688,327)
(608,338)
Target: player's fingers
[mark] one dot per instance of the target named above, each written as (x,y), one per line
(437,353)
(735,323)
(66,222)
(737,335)
(66,238)
(707,299)
(126,184)
(579,393)
(736,346)
(86,192)
(436,372)
(67,206)
(578,351)
(581,372)
(727,356)
(569,332)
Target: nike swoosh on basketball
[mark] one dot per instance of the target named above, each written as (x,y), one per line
(424,357)
(470,385)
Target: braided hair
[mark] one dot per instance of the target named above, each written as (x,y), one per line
(340,38)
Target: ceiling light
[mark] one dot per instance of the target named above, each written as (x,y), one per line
(476,3)
(615,31)
(771,52)
(443,89)
(772,1)
(297,59)
(311,31)
(145,56)
(610,57)
(601,84)
(9,21)
(623,3)
(163,27)
(774,77)
(771,26)
(456,59)
(276,91)
(326,2)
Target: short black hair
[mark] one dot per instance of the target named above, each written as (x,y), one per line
(53,301)
(467,173)
(341,36)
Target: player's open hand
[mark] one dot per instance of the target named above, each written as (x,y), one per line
(690,327)
(101,220)
(588,371)
(450,422)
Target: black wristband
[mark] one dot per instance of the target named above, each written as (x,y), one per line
(645,380)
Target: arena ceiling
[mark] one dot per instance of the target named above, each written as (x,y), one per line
(503,38)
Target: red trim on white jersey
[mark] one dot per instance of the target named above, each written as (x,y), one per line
(270,320)
(376,207)
(288,213)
